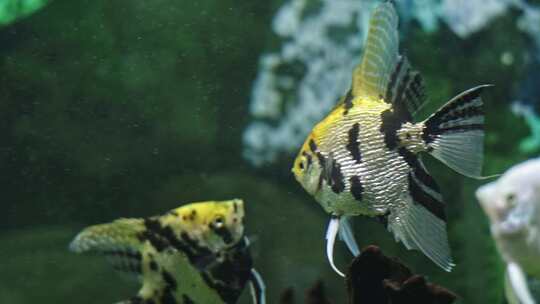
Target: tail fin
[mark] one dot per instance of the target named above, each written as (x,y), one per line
(455,133)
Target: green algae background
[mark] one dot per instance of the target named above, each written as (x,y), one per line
(129,108)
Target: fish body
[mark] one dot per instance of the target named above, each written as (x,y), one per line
(339,186)
(364,158)
(196,253)
(512,205)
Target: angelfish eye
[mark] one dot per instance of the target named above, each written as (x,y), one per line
(301,165)
(511,199)
(219,222)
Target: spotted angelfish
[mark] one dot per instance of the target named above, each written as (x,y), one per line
(196,253)
(364,157)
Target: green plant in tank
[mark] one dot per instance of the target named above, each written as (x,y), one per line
(12,10)
(531,143)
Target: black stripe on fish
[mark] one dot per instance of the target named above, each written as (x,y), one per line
(331,173)
(417,88)
(402,86)
(153,265)
(324,163)
(313,146)
(169,280)
(135,255)
(467,112)
(168,298)
(152,235)
(423,198)
(161,237)
(348,102)
(460,128)
(357,190)
(130,268)
(430,134)
(308,158)
(393,79)
(463,100)
(337,178)
(229,277)
(187,300)
(467,106)
(418,169)
(419,195)
(171,285)
(413,96)
(223,233)
(331,170)
(405,89)
(200,250)
(391,121)
(353,145)
(124,260)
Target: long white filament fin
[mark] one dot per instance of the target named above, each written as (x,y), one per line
(257,288)
(346,234)
(518,281)
(331,233)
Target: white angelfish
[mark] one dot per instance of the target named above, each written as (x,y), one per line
(512,204)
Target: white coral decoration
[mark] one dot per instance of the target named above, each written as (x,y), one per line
(299,83)
(321,43)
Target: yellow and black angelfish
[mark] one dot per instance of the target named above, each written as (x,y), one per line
(196,253)
(364,157)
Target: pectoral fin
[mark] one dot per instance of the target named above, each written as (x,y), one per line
(346,235)
(331,234)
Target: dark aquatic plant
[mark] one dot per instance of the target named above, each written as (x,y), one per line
(375,278)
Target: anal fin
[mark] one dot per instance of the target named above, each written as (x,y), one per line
(419,223)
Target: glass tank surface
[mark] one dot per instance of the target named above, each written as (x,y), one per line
(210,151)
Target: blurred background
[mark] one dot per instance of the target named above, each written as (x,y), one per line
(129,108)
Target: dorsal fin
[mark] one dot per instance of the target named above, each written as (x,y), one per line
(118,241)
(405,87)
(383,73)
(372,75)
